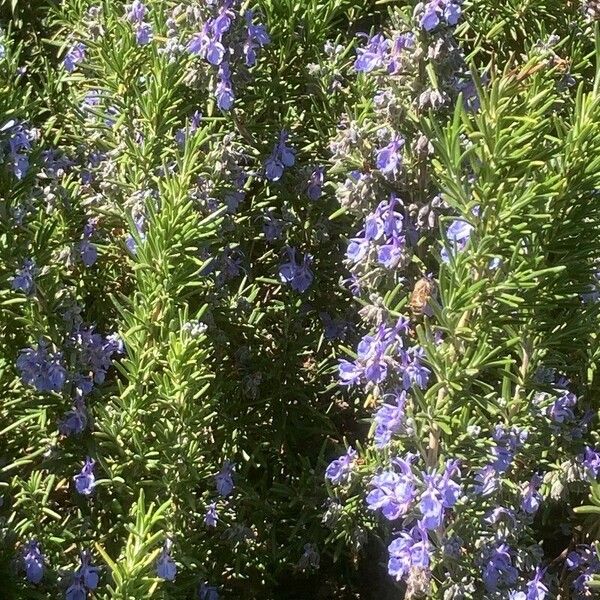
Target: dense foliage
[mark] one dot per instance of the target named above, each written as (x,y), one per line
(299,299)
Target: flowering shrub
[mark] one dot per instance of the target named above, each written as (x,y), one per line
(205,207)
(467,268)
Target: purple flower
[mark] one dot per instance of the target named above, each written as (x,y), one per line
(74,421)
(224,479)
(452,12)
(33,561)
(272,228)
(74,56)
(41,369)
(431,506)
(498,569)
(85,578)
(508,441)
(298,275)
(349,373)
(215,52)
(536,590)
(430,18)
(165,566)
(333,328)
(88,252)
(339,470)
(282,156)
(389,158)
(143,33)
(486,481)
(257,37)
(24,279)
(207,45)
(393,492)
(561,410)
(222,22)
(401,43)
(458,235)
(373,55)
(531,500)
(224,91)
(315,183)
(371,362)
(85,480)
(95,356)
(390,254)
(135,12)
(583,559)
(591,463)
(441,492)
(410,550)
(357,249)
(389,420)
(211,516)
(414,374)
(89,574)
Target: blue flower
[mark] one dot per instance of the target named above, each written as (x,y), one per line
(88,252)
(257,37)
(74,421)
(222,22)
(389,420)
(561,410)
(531,500)
(374,55)
(33,562)
(486,481)
(393,493)
(315,183)
(224,479)
(400,43)
(42,369)
(452,13)
(74,56)
(410,550)
(24,280)
(85,480)
(211,516)
(536,590)
(458,235)
(390,254)
(94,356)
(298,275)
(389,158)
(498,568)
(591,463)
(282,156)
(136,11)
(441,492)
(357,249)
(224,91)
(143,33)
(207,45)
(165,566)
(584,560)
(338,471)
(430,18)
